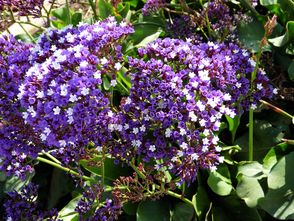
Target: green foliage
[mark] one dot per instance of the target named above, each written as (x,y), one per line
(153,210)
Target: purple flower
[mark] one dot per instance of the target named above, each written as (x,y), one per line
(23,7)
(152,6)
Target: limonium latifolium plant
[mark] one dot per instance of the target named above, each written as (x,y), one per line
(129,121)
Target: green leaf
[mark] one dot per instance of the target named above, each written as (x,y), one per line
(106,83)
(233,125)
(14,183)
(105,9)
(287,37)
(149,39)
(268,2)
(251,169)
(130,208)
(63,14)
(68,212)
(201,201)
(220,182)
(183,212)
(291,71)
(250,35)
(76,18)
(281,186)
(153,210)
(249,190)
(282,174)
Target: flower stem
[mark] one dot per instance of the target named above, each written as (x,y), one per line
(41,159)
(276,109)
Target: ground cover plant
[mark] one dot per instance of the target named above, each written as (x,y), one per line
(147,110)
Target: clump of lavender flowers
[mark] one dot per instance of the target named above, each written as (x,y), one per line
(23,7)
(23,205)
(179,94)
(16,138)
(152,6)
(62,95)
(91,205)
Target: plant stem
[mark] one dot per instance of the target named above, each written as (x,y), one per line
(50,156)
(276,109)
(93,7)
(41,159)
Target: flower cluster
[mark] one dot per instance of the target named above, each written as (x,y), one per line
(105,212)
(23,205)
(16,138)
(178,97)
(23,7)
(152,6)
(62,93)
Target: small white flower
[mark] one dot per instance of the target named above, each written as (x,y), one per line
(221,159)
(275,91)
(206,132)
(200,105)
(43,137)
(97,75)
(62,143)
(69,111)
(110,114)
(212,168)
(119,127)
(126,126)
(40,94)
(238,85)
(85,91)
(193,116)
(113,83)
(135,130)
(194,156)
(183,131)
(184,145)
(253,106)
(63,90)
(218,149)
(70,119)
(205,141)
(204,75)
(180,153)
(202,122)
(53,83)
(259,86)
(215,140)
(84,64)
(227,97)
(192,75)
(117,66)
(128,100)
(168,132)
(70,38)
(104,61)
(47,131)
(143,128)
(152,148)
(73,98)
(56,110)
(99,148)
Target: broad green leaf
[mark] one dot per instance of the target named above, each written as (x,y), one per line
(183,212)
(287,37)
(130,208)
(68,212)
(149,39)
(63,14)
(220,182)
(106,83)
(268,2)
(282,173)
(249,190)
(105,9)
(153,210)
(281,186)
(76,18)
(250,35)
(251,169)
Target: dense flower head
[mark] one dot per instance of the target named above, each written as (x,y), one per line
(16,139)
(107,211)
(23,7)
(178,97)
(23,205)
(62,95)
(152,6)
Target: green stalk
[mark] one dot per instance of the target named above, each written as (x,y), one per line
(41,159)
(93,7)
(251,118)
(50,157)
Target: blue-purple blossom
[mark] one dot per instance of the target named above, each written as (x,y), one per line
(62,94)
(179,94)
(23,205)
(152,6)
(17,140)
(23,7)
